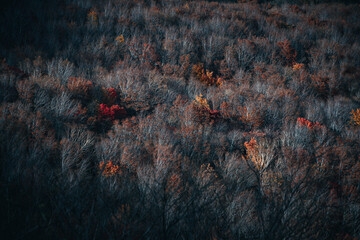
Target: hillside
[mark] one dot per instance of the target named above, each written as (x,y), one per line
(154,119)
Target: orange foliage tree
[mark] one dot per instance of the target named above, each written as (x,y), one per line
(355,117)
(109,169)
(206,76)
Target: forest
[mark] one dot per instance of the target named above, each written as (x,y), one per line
(175,119)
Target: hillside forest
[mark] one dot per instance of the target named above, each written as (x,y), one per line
(154,119)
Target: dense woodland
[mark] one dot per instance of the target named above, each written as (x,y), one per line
(179,119)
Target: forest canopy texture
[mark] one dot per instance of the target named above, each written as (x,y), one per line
(150,119)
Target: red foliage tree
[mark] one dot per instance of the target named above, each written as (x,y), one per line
(308,124)
(115,111)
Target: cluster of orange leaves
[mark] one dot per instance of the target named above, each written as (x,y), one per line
(298,66)
(355,117)
(251,146)
(308,124)
(206,76)
(120,39)
(109,169)
(201,102)
(252,150)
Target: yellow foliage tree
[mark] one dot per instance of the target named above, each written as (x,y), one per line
(260,154)
(201,102)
